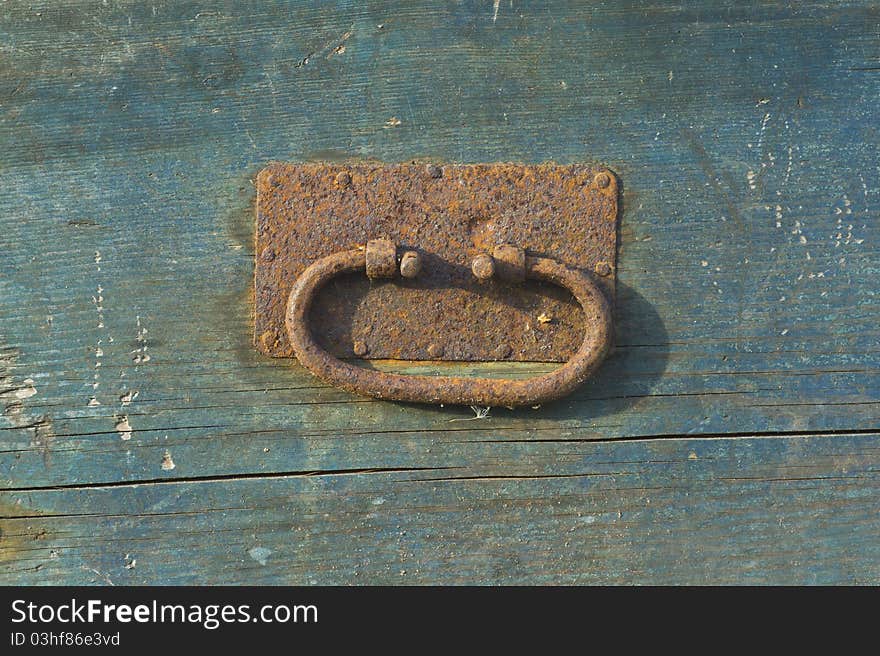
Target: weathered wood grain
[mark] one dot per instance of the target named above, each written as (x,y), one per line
(781,510)
(745,136)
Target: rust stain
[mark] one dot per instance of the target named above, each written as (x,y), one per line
(447,214)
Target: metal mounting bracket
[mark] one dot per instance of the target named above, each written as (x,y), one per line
(448,216)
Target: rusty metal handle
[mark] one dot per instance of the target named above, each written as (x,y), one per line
(508,262)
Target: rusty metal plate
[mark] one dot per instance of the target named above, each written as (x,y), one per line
(449,214)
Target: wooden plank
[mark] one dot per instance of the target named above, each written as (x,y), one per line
(750,510)
(744,135)
(127,226)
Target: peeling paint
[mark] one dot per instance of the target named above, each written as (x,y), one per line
(124,427)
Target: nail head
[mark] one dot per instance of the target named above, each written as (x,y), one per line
(483,266)
(410,264)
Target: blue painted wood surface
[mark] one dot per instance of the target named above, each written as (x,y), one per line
(732,436)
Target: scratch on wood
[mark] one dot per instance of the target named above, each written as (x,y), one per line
(98,302)
(340,46)
(104,577)
(335,47)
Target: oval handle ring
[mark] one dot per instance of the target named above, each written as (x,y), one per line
(379,260)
